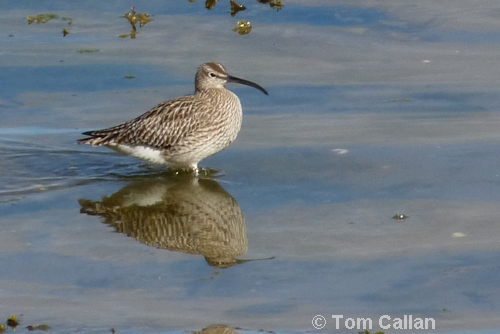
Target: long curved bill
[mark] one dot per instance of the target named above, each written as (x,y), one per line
(246,82)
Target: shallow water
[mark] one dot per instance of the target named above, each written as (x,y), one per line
(375,109)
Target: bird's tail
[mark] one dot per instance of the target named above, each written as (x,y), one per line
(94,141)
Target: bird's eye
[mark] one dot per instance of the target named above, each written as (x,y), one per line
(212,75)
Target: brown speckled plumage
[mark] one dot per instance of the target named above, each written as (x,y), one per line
(183,131)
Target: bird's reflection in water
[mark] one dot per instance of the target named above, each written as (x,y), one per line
(184,214)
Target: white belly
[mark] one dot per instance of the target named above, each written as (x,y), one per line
(186,160)
(150,154)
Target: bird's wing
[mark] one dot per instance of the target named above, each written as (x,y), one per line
(163,126)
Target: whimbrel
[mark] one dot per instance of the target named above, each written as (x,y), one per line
(183,131)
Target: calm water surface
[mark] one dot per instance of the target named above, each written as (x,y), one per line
(376,109)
